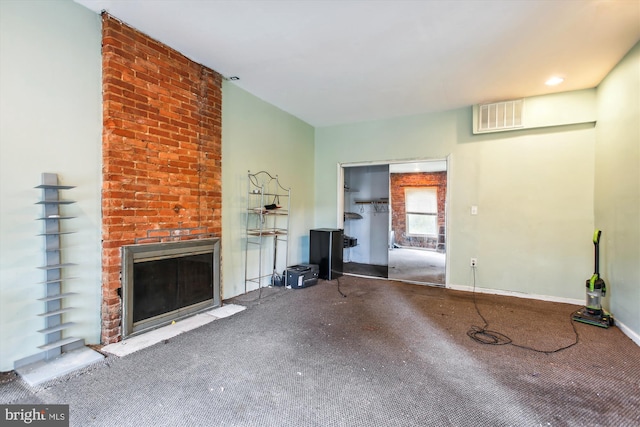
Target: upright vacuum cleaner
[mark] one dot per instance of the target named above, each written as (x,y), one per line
(592,313)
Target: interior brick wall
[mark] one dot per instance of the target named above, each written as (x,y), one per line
(399,181)
(161,173)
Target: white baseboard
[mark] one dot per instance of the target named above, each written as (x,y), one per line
(625,329)
(518,294)
(628,332)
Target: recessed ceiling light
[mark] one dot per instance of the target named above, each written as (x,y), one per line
(553,81)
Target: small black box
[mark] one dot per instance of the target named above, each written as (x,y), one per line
(349,242)
(302,275)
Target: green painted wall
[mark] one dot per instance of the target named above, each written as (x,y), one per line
(258,136)
(51,115)
(617,188)
(533,189)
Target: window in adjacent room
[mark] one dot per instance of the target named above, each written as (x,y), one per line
(421,207)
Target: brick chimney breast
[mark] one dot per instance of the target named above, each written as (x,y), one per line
(161,152)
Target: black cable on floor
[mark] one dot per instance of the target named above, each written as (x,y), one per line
(339,291)
(487,336)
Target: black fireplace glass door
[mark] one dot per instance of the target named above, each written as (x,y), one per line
(165,285)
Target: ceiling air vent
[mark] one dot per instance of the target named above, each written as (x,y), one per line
(498,116)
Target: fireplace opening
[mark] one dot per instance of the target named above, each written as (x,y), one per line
(164,282)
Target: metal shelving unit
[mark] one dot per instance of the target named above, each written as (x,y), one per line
(267,230)
(60,354)
(55,340)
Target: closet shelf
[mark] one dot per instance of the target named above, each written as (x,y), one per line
(352,215)
(371,201)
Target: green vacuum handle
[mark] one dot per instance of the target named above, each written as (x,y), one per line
(596,274)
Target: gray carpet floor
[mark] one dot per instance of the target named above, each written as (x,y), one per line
(387,354)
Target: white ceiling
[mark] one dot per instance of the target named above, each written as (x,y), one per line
(329,62)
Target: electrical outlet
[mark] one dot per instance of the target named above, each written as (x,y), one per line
(474,262)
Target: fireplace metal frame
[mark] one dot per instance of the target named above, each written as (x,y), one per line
(132,254)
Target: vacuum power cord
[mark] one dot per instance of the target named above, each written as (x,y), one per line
(487,336)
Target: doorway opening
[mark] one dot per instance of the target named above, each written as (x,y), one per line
(394,220)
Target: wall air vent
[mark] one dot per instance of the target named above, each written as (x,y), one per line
(498,116)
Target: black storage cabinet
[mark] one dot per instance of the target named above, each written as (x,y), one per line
(325,250)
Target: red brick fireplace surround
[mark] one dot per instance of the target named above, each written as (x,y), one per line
(161,155)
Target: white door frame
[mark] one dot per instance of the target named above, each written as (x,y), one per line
(340,196)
